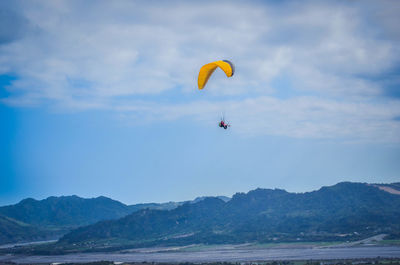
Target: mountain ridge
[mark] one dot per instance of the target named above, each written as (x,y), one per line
(267,210)
(261,215)
(54,216)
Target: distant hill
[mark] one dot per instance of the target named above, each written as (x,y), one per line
(156,206)
(344,211)
(65,211)
(32,219)
(224,198)
(170,205)
(55,216)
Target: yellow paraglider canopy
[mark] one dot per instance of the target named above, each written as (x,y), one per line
(207,70)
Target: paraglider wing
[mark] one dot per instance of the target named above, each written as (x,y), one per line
(207,70)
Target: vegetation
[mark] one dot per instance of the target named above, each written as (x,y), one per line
(346,211)
(343,212)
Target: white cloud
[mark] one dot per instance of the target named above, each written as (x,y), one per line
(79,55)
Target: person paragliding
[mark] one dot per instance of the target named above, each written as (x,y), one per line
(207,70)
(223,124)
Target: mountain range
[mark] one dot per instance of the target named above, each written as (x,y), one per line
(31,220)
(345,211)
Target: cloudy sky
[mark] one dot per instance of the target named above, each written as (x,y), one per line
(100,98)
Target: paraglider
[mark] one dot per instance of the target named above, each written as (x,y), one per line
(207,70)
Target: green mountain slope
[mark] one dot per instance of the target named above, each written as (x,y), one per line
(343,211)
(12,230)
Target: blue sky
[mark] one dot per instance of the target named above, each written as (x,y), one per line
(99,97)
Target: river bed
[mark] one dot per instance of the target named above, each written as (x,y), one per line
(227,253)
